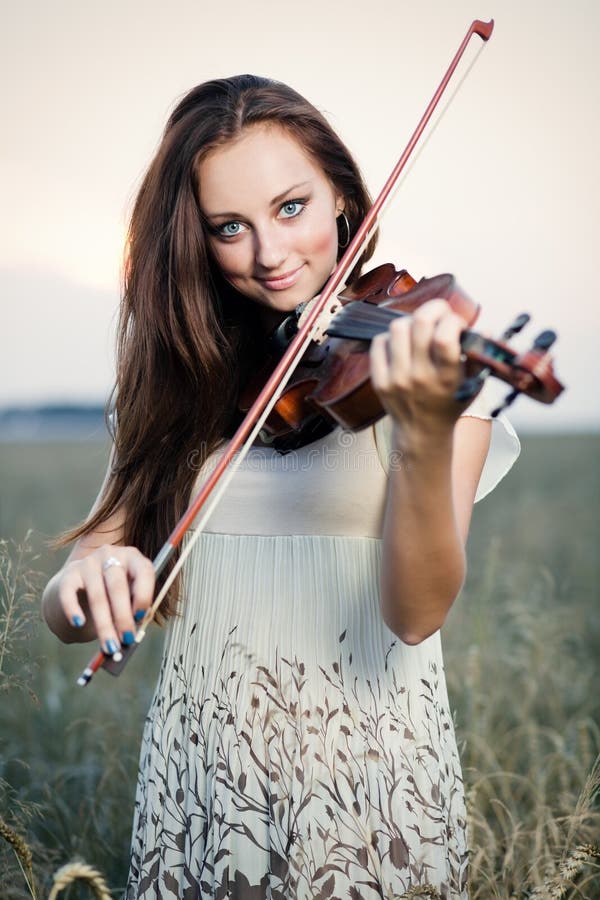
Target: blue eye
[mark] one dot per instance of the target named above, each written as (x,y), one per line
(229,229)
(292,208)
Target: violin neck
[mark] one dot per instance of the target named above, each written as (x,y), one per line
(361,321)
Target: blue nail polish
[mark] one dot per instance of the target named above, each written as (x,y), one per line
(128,638)
(77,621)
(110,647)
(139,615)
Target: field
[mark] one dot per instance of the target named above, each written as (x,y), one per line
(522,650)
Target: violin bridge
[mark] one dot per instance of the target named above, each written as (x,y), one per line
(322,323)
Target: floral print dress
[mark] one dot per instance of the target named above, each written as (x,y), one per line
(295,747)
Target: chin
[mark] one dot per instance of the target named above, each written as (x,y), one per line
(288,304)
(283,301)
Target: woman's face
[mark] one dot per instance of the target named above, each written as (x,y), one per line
(271,214)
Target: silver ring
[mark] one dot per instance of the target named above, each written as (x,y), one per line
(111,561)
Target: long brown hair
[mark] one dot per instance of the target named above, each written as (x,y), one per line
(186,339)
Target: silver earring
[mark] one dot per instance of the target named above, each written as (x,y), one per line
(343,244)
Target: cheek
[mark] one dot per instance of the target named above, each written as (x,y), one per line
(229,258)
(323,242)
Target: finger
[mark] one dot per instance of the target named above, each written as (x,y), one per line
(445,343)
(99,604)
(400,351)
(142,585)
(115,573)
(69,588)
(379,360)
(424,322)
(430,312)
(431,309)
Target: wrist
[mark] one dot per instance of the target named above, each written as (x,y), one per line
(423,442)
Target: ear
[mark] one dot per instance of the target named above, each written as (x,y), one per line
(340,204)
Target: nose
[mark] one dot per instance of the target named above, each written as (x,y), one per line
(269,248)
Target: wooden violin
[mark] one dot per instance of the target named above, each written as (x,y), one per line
(331,385)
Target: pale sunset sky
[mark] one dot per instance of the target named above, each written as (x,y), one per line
(505,193)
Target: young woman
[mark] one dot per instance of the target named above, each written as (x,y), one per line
(300,742)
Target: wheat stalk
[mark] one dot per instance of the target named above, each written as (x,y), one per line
(556,887)
(424,890)
(22,851)
(79,871)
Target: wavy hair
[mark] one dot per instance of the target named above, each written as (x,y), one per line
(186,340)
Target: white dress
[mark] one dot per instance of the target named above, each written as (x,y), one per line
(295,747)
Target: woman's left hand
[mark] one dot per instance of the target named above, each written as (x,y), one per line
(416,368)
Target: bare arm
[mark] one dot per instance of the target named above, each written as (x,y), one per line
(431,491)
(426,524)
(83,600)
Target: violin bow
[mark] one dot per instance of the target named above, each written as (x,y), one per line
(215,485)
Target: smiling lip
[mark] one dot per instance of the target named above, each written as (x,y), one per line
(282,282)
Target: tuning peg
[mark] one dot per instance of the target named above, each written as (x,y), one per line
(508,400)
(544,340)
(471,386)
(516,326)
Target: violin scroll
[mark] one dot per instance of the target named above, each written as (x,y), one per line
(529,373)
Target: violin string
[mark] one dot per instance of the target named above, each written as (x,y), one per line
(362,321)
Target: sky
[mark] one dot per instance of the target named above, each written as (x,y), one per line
(504,193)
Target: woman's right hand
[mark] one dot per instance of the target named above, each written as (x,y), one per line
(101,594)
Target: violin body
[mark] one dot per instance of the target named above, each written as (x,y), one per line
(332,385)
(345,393)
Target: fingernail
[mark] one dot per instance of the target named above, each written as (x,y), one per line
(139,615)
(128,638)
(110,647)
(77,621)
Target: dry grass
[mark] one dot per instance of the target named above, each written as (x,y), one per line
(19,590)
(522,665)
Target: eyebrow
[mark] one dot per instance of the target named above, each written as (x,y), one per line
(274,202)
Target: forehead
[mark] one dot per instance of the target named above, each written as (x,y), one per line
(263,162)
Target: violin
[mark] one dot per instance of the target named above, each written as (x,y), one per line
(344,395)
(331,385)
